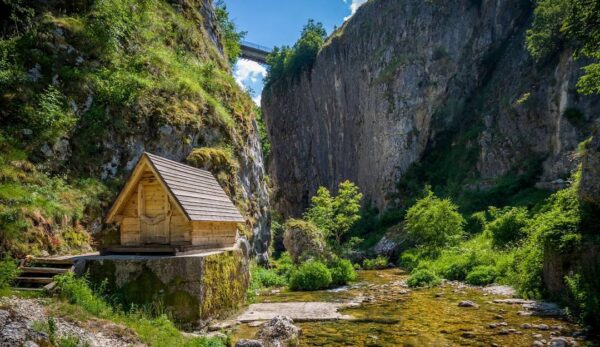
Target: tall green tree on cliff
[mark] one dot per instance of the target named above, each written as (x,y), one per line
(569,24)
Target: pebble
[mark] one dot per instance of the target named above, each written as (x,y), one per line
(542,327)
(468,335)
(537,343)
(537,336)
(526,326)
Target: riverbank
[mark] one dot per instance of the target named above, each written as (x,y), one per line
(390,314)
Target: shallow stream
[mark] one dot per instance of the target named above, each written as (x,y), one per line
(392,315)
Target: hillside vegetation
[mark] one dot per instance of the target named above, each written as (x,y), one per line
(86,85)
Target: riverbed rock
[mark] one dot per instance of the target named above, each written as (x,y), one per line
(279,332)
(467,303)
(302,239)
(249,343)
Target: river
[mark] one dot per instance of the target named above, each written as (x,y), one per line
(390,314)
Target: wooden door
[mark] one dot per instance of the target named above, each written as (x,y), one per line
(154,213)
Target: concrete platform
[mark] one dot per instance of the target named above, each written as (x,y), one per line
(298,311)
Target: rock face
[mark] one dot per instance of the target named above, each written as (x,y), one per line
(395,81)
(589,189)
(110,119)
(193,288)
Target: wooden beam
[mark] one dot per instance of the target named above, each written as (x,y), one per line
(129,186)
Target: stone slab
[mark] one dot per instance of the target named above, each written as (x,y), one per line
(297,311)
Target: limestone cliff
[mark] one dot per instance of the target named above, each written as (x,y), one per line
(87,86)
(448,85)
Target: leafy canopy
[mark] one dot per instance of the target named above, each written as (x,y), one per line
(335,215)
(434,223)
(231,37)
(568,23)
(291,61)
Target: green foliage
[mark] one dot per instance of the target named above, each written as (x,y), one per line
(154,331)
(560,23)
(482,275)
(265,278)
(508,225)
(434,223)
(335,215)
(311,275)
(583,291)
(290,62)
(9,270)
(232,38)
(342,271)
(265,144)
(380,262)
(423,278)
(409,259)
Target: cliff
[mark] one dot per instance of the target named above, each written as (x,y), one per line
(427,91)
(87,86)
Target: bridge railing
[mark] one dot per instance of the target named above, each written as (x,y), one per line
(257,47)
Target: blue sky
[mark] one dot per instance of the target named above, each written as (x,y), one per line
(279,22)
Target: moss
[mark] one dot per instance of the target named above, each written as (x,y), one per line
(225,281)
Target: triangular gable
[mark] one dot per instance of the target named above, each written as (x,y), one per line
(196,192)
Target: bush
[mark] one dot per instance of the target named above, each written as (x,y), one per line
(9,270)
(433,223)
(423,278)
(482,275)
(508,225)
(311,275)
(342,271)
(381,262)
(409,259)
(264,278)
(78,292)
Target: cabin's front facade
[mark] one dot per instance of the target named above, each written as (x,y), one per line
(169,205)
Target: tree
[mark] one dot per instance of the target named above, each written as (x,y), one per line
(434,223)
(335,215)
(231,37)
(291,61)
(570,23)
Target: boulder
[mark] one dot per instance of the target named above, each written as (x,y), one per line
(467,303)
(249,343)
(302,238)
(279,332)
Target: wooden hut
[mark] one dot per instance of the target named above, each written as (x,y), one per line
(169,207)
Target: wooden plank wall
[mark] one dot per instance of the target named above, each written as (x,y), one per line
(214,234)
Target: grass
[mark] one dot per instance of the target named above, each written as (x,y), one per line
(77,301)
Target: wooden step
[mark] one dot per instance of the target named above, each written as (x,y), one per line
(40,280)
(43,270)
(52,261)
(29,289)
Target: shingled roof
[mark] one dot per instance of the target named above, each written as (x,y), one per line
(196,191)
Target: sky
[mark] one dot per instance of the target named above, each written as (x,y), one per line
(273,23)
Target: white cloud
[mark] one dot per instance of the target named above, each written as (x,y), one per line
(354,5)
(257,99)
(248,72)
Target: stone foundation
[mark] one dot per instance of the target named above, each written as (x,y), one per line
(193,288)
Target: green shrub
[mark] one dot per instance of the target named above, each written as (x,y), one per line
(265,278)
(78,292)
(409,259)
(381,262)
(9,270)
(284,265)
(434,223)
(423,278)
(311,275)
(507,226)
(482,275)
(342,271)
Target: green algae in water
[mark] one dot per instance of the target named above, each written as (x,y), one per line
(424,317)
